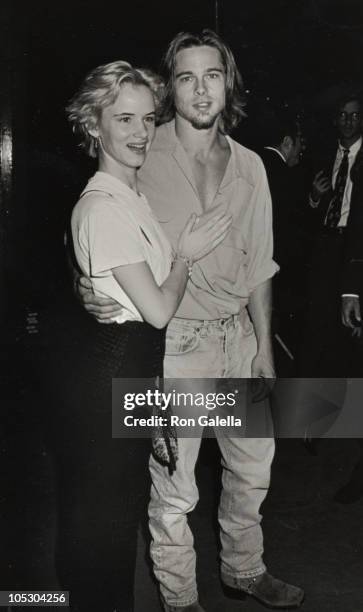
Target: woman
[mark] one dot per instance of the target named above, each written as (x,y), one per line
(121,247)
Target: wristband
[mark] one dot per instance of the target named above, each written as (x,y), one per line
(187,260)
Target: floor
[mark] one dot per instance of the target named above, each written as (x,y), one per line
(310,540)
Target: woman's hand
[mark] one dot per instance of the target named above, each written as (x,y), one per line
(198,238)
(195,242)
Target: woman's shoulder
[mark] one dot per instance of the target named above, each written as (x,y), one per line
(92,202)
(101,209)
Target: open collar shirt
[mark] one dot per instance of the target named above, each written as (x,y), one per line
(222,281)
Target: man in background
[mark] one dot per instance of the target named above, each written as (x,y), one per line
(284,134)
(335,198)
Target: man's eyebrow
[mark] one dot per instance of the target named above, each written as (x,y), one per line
(184,72)
(188,72)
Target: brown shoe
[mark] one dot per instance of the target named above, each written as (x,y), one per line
(270,591)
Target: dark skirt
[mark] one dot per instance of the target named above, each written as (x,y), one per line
(103,483)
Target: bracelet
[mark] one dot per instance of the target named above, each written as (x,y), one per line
(187,260)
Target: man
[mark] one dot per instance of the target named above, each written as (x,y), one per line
(352,290)
(352,277)
(283,132)
(280,157)
(335,197)
(194,167)
(283,153)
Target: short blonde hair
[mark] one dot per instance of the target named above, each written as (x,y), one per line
(100,89)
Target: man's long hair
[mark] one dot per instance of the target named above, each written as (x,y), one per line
(235,99)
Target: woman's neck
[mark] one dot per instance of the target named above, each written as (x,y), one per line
(124,174)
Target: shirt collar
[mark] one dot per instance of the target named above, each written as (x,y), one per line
(276,151)
(353,149)
(166,139)
(102,181)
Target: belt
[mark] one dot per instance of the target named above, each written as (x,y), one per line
(208,322)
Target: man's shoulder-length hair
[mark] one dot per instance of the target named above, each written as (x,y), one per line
(235,98)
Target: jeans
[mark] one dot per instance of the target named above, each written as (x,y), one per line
(209,349)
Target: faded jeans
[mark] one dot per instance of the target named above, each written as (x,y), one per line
(209,349)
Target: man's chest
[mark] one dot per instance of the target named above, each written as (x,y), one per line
(207,177)
(171,188)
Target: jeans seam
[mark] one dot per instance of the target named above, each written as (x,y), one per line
(182,603)
(239,576)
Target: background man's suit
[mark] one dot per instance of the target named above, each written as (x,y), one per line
(352,274)
(327,345)
(290,247)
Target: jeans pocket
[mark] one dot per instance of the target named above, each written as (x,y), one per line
(247,328)
(181,341)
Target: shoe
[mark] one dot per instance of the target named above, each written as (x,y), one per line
(195,607)
(270,591)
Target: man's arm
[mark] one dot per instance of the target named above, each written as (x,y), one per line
(103,309)
(260,307)
(351,292)
(352,275)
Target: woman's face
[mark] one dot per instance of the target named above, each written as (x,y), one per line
(126,128)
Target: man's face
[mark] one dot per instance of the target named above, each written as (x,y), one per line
(349,122)
(199,86)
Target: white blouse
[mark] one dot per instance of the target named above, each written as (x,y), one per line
(113,226)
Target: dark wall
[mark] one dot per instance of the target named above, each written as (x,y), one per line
(298,52)
(50,48)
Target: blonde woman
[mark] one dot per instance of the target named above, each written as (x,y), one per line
(120,246)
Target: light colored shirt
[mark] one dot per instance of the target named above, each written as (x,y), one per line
(276,151)
(113,226)
(221,282)
(353,150)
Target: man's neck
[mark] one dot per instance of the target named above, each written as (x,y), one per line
(346,143)
(198,142)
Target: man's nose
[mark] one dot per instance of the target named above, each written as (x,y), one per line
(200,87)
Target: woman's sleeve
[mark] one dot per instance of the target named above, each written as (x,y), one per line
(113,238)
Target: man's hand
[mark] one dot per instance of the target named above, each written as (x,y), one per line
(321,185)
(103,309)
(351,315)
(262,368)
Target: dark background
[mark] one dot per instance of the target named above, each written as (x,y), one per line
(295,52)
